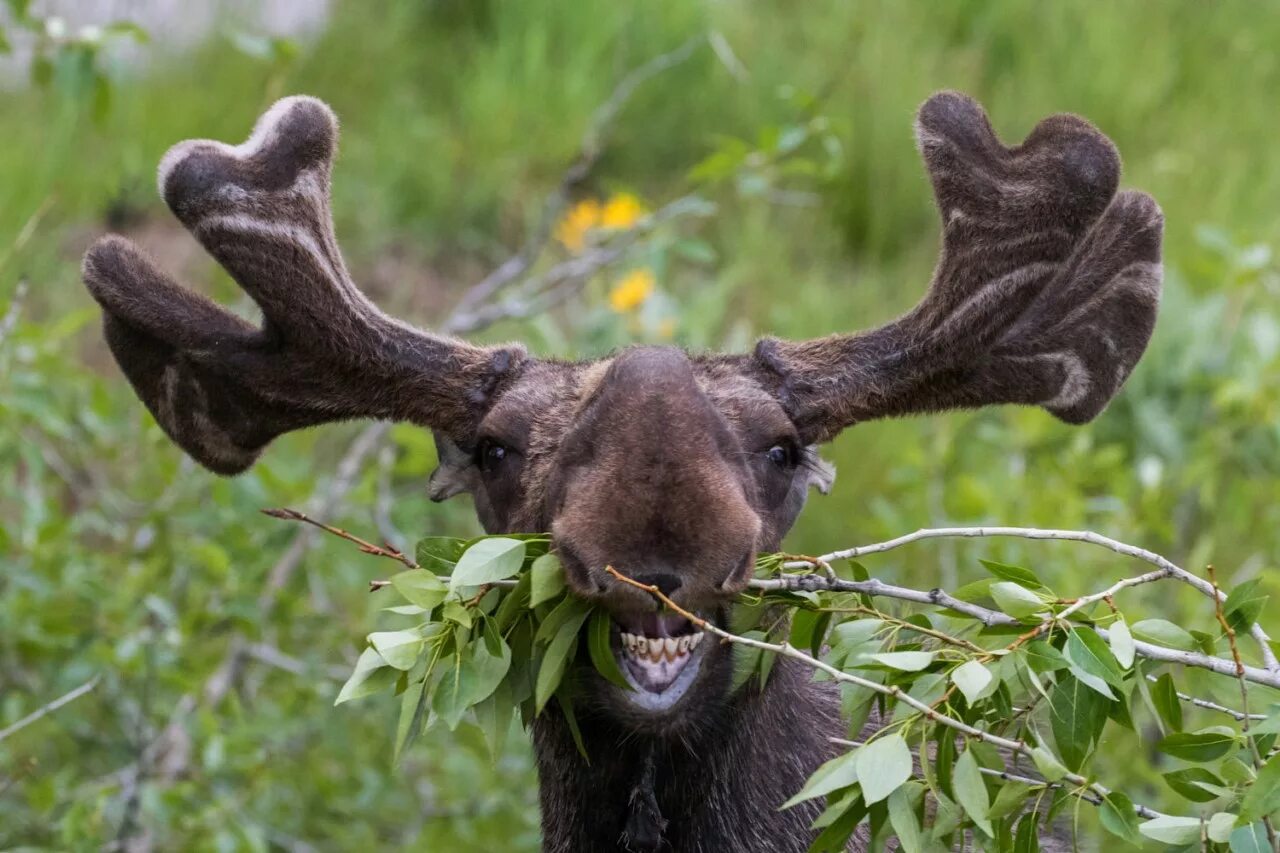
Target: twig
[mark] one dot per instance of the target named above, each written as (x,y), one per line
(992,618)
(787,650)
(50,707)
(549,289)
(28,231)
(589,152)
(364,545)
(1212,706)
(1244,690)
(1270,661)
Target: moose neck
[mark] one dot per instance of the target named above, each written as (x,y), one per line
(716,784)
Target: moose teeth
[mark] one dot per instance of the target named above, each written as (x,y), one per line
(655,649)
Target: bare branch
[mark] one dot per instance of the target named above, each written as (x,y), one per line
(50,707)
(1268,656)
(1212,706)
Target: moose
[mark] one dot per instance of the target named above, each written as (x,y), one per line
(675,467)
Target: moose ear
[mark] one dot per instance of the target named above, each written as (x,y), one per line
(821,473)
(456,472)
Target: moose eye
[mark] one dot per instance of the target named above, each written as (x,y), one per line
(490,455)
(781,456)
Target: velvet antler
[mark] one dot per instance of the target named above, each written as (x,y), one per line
(223,388)
(1045,292)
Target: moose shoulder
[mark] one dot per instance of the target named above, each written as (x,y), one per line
(676,468)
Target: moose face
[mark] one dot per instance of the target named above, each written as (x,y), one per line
(658,465)
(671,468)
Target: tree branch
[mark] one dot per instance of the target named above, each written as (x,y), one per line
(1270,661)
(50,707)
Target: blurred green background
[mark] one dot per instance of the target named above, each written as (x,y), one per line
(121,560)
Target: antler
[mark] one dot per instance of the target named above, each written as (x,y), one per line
(223,388)
(1045,292)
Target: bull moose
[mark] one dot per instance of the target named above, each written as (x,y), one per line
(676,467)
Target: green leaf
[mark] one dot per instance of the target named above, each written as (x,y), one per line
(1220,827)
(570,609)
(1169,829)
(547,579)
(882,766)
(905,823)
(1200,747)
(1015,574)
(1018,601)
(971,791)
(1048,765)
(839,772)
(1012,797)
(1163,633)
(1092,662)
(600,645)
(488,560)
(439,554)
(746,661)
(371,675)
(1044,658)
(398,648)
(1164,695)
(1027,838)
(412,705)
(973,679)
(1269,726)
(1244,605)
(1118,817)
(514,604)
(905,661)
(559,653)
(484,664)
(1122,643)
(420,587)
(456,612)
(1263,796)
(571,720)
(1196,784)
(1251,839)
(1077,714)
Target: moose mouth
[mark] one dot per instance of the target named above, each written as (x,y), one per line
(660,655)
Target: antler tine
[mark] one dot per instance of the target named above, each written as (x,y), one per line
(223,388)
(1045,291)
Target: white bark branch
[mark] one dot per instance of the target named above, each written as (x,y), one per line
(1272,665)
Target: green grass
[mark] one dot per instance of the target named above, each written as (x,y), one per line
(458,119)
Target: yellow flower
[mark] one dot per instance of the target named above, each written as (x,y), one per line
(631,292)
(622,211)
(573,227)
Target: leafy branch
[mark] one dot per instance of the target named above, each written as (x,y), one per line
(501,631)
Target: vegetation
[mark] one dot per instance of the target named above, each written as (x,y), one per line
(126,568)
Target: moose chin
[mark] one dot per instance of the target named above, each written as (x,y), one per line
(675,467)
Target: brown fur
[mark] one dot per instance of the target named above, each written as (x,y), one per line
(672,467)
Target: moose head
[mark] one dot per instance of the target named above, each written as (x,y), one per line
(675,468)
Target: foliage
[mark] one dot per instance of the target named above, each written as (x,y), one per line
(119,559)
(971,697)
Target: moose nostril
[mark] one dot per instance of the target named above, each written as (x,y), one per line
(665,583)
